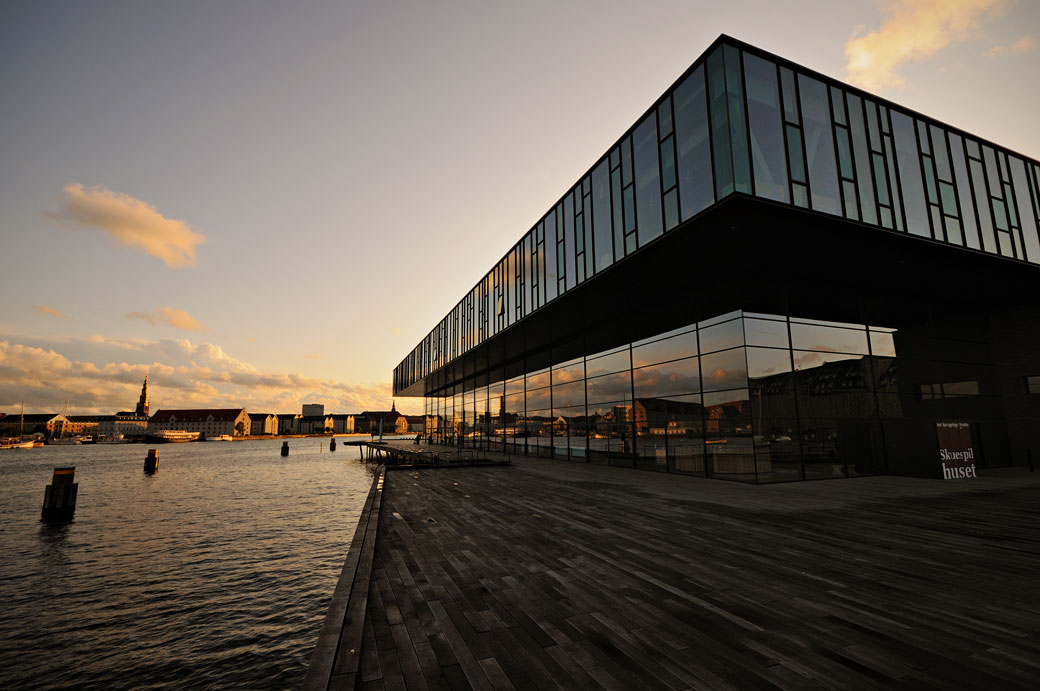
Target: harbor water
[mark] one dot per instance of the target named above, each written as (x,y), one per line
(214,572)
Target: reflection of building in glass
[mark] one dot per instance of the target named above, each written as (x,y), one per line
(771,276)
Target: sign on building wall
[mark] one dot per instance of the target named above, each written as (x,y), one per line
(956,452)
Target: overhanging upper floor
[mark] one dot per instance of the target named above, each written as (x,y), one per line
(748,173)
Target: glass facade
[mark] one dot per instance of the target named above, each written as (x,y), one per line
(741,121)
(753,397)
(748,397)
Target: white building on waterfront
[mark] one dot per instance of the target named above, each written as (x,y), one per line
(209,422)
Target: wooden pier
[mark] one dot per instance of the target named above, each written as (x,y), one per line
(406,455)
(550,575)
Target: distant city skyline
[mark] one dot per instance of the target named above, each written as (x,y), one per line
(240,199)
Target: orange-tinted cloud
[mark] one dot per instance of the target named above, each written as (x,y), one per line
(911,30)
(169,316)
(103,376)
(47,309)
(1022,45)
(130,222)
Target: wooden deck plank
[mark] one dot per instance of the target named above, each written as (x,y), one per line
(556,575)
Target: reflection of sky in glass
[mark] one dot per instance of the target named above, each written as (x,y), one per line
(671,378)
(764,362)
(571,371)
(608,364)
(725,370)
(537,381)
(806,360)
(765,333)
(827,338)
(571,393)
(882,344)
(722,336)
(613,387)
(672,348)
(538,399)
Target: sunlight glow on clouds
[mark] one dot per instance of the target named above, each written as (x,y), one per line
(1022,45)
(47,309)
(911,30)
(168,316)
(181,374)
(130,222)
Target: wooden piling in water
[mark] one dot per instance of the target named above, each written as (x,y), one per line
(151,461)
(285,448)
(59,497)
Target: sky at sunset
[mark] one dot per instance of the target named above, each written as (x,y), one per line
(263,204)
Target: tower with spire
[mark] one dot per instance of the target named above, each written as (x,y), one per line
(142,402)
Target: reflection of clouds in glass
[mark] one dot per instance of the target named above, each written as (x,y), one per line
(671,378)
(681,346)
(608,364)
(828,339)
(536,400)
(571,393)
(725,378)
(807,360)
(614,387)
(568,374)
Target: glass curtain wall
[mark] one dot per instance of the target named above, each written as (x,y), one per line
(743,396)
(742,121)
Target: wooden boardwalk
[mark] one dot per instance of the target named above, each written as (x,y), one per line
(552,575)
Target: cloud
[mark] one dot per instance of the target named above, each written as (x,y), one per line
(47,309)
(103,377)
(1022,45)
(168,316)
(912,30)
(312,356)
(130,222)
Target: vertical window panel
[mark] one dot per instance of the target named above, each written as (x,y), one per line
(550,256)
(982,206)
(648,182)
(568,234)
(696,188)
(1023,197)
(719,125)
(819,146)
(602,237)
(767,140)
(861,152)
(618,216)
(737,126)
(967,205)
(910,175)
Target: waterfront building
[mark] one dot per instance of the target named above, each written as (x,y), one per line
(263,423)
(80,425)
(314,424)
(770,276)
(392,422)
(48,424)
(210,422)
(313,409)
(343,424)
(126,423)
(287,423)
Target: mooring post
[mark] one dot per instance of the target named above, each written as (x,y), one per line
(151,461)
(59,497)
(332,444)
(285,448)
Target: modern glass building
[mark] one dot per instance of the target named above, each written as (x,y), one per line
(771,276)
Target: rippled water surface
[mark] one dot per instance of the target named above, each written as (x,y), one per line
(215,572)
